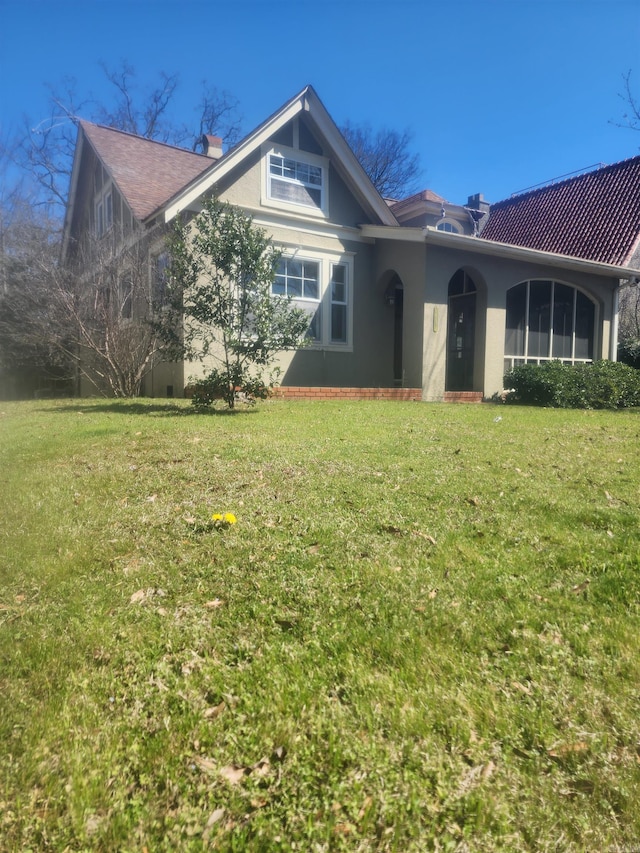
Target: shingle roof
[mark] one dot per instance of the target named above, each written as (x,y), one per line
(147,173)
(595,216)
(424,195)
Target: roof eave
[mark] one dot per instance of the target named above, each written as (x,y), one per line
(71,198)
(467,243)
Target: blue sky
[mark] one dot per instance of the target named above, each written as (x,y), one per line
(500,94)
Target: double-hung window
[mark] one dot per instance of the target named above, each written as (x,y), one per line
(295,179)
(321,287)
(300,280)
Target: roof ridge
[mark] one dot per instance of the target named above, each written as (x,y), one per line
(570,177)
(172,146)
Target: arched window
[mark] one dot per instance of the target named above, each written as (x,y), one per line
(548,320)
(447,225)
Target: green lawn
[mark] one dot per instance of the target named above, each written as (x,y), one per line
(422,633)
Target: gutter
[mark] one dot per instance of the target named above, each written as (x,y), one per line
(466,243)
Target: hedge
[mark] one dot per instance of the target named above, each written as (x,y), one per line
(599,385)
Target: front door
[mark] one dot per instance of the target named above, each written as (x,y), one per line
(461,333)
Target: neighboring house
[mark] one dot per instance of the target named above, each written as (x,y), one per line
(412,298)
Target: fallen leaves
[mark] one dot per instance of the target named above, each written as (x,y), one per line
(214,711)
(234,774)
(141,595)
(566,750)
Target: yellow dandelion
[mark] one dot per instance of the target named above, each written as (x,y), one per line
(224,519)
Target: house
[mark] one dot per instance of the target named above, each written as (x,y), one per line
(413,298)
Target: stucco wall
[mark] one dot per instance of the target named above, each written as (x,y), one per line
(408,262)
(367,358)
(493,278)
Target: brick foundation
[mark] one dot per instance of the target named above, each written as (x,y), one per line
(295,392)
(463,396)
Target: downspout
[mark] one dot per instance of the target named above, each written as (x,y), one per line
(613,338)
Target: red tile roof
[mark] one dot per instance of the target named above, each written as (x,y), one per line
(595,216)
(147,173)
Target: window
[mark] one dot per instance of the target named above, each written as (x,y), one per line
(321,288)
(447,226)
(338,303)
(160,273)
(104,212)
(126,296)
(299,279)
(548,320)
(295,178)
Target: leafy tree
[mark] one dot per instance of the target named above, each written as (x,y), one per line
(386,158)
(222,269)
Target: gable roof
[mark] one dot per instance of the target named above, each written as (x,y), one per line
(147,173)
(343,159)
(595,216)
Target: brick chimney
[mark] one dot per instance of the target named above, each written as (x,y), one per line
(211,146)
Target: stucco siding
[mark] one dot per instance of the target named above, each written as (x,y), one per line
(493,278)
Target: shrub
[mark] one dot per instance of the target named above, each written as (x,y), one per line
(218,386)
(600,385)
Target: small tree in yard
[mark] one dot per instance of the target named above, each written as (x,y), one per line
(222,269)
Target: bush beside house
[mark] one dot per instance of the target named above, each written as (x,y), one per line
(600,385)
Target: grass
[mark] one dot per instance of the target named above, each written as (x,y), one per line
(421,634)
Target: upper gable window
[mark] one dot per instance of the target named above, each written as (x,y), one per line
(296,179)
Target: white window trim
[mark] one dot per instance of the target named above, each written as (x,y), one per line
(299,156)
(326,262)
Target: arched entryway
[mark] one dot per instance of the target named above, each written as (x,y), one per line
(461,332)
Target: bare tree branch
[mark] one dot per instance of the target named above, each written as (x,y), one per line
(631,116)
(44,150)
(386,158)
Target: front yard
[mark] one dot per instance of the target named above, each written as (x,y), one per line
(421,632)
